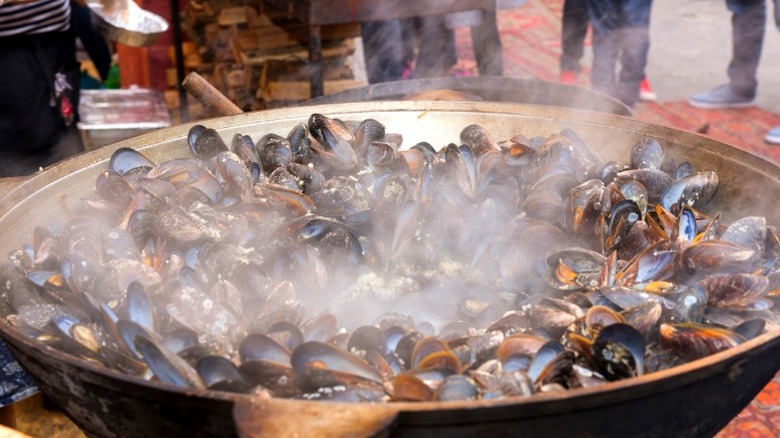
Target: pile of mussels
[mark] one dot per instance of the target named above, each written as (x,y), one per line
(330,264)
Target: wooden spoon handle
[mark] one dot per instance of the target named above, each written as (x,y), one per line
(209,96)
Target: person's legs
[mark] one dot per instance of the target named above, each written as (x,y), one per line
(747,26)
(382,53)
(635,43)
(437,48)
(606,47)
(29,124)
(574,28)
(748,22)
(409,39)
(487,46)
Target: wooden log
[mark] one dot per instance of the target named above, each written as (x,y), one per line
(246,57)
(237,16)
(300,90)
(275,37)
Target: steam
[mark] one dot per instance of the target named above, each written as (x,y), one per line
(446,245)
(461,252)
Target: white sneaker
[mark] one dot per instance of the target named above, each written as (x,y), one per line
(773,136)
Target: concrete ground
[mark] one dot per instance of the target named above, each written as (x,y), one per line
(691,48)
(690,51)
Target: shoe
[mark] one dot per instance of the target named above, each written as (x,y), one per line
(568,77)
(645,92)
(773,136)
(721,96)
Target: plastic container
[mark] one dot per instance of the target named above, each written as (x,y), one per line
(108,116)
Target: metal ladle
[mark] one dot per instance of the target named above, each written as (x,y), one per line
(125,22)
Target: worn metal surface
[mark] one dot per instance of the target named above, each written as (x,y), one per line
(127,23)
(695,399)
(489,88)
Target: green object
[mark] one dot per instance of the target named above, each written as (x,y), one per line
(88,82)
(112,81)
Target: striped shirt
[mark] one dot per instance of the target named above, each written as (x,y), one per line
(34,17)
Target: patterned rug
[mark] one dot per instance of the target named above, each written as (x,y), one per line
(530,36)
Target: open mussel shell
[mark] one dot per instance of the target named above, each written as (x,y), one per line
(166,366)
(750,328)
(286,333)
(425,349)
(619,352)
(180,339)
(319,354)
(598,317)
(457,387)
(406,387)
(575,268)
(516,362)
(127,160)
(543,358)
(334,138)
(219,373)
(262,347)
(129,331)
(76,337)
(622,218)
(139,307)
(520,344)
(552,365)
(585,204)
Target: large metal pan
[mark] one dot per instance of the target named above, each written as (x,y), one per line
(487,88)
(696,399)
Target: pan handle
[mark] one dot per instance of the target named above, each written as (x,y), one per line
(209,96)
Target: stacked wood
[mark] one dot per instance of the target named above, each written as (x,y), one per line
(260,60)
(283,91)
